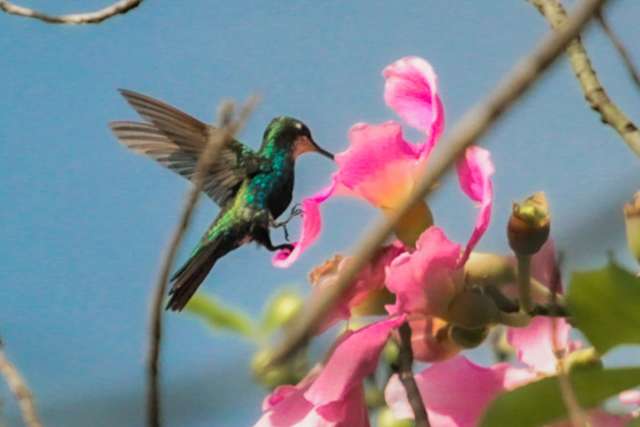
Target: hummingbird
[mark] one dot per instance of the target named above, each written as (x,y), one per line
(252,188)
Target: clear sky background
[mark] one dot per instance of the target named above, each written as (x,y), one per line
(83,221)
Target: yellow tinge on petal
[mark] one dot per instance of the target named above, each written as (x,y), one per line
(413,223)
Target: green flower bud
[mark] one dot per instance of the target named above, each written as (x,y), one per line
(373,396)
(272,376)
(386,419)
(281,309)
(472,310)
(586,358)
(632,222)
(391,352)
(529,225)
(468,338)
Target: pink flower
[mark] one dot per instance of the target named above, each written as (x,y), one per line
(370,280)
(456,392)
(334,395)
(381,166)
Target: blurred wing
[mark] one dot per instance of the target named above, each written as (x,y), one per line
(176,140)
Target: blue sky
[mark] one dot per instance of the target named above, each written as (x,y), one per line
(84,221)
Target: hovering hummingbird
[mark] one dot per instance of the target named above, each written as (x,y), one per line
(252,188)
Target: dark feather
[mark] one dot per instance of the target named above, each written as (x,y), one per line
(176,140)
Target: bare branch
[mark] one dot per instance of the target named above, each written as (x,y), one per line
(207,158)
(405,372)
(20,390)
(593,90)
(474,124)
(120,7)
(617,43)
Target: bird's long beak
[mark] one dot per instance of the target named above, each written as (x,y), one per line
(322,151)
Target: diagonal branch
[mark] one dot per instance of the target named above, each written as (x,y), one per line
(617,43)
(474,124)
(20,390)
(207,158)
(120,7)
(593,90)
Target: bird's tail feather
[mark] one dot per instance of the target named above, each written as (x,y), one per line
(189,277)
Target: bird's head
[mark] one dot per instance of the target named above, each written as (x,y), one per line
(293,135)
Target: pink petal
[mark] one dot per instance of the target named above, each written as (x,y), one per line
(474,173)
(544,266)
(370,279)
(455,392)
(411,90)
(630,397)
(430,340)
(379,164)
(422,280)
(311,226)
(355,357)
(534,344)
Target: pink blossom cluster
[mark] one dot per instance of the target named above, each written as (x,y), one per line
(422,272)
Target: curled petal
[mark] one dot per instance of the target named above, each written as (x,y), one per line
(411,90)
(355,357)
(422,280)
(455,391)
(534,343)
(475,169)
(311,226)
(370,280)
(379,165)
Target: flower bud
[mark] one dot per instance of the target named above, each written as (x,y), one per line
(586,358)
(632,222)
(529,225)
(468,338)
(373,396)
(282,308)
(472,310)
(391,352)
(273,376)
(386,419)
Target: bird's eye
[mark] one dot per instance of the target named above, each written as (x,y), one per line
(299,126)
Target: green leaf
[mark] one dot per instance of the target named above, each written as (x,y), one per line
(605,305)
(540,402)
(218,316)
(634,423)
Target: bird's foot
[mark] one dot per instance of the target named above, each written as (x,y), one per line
(285,246)
(296,210)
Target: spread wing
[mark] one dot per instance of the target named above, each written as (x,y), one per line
(175,140)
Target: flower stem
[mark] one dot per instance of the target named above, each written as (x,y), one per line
(405,364)
(524,282)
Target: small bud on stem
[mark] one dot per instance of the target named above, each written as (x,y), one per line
(632,223)
(528,230)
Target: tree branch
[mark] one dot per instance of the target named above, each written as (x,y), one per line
(593,90)
(474,124)
(617,43)
(120,7)
(20,390)
(207,158)
(405,372)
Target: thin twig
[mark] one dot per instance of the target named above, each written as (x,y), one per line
(215,141)
(468,130)
(577,415)
(120,7)
(617,43)
(405,372)
(524,282)
(20,390)
(593,90)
